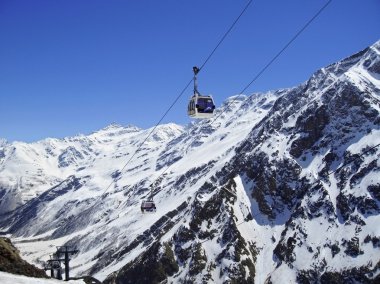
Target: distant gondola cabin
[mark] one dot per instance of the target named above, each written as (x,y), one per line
(148,206)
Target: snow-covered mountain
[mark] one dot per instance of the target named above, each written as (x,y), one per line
(280,185)
(28,170)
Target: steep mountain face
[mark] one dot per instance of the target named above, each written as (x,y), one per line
(282,185)
(311,166)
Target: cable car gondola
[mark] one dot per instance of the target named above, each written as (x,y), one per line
(200,106)
(148,206)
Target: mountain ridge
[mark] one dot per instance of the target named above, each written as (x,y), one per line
(238,199)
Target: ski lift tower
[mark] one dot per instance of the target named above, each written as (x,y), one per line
(66,252)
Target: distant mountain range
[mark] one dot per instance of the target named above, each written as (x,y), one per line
(280,185)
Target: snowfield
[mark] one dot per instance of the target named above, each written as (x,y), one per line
(7,278)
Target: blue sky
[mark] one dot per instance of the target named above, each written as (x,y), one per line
(69,67)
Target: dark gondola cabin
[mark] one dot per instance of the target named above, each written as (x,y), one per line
(148,206)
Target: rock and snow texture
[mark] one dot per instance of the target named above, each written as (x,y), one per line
(283,185)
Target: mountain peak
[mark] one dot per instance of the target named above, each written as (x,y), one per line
(3,142)
(376,45)
(117,126)
(115,129)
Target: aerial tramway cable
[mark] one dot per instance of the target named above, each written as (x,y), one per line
(151,194)
(243,90)
(201,67)
(258,75)
(176,100)
(183,91)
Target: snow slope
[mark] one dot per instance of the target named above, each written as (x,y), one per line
(7,278)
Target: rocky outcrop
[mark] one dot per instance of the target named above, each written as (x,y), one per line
(11,262)
(153,266)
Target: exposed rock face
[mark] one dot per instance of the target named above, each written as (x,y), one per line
(11,262)
(153,267)
(283,187)
(310,128)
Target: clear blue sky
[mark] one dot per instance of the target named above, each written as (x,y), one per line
(69,67)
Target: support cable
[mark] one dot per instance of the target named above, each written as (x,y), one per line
(183,91)
(274,58)
(267,65)
(176,99)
